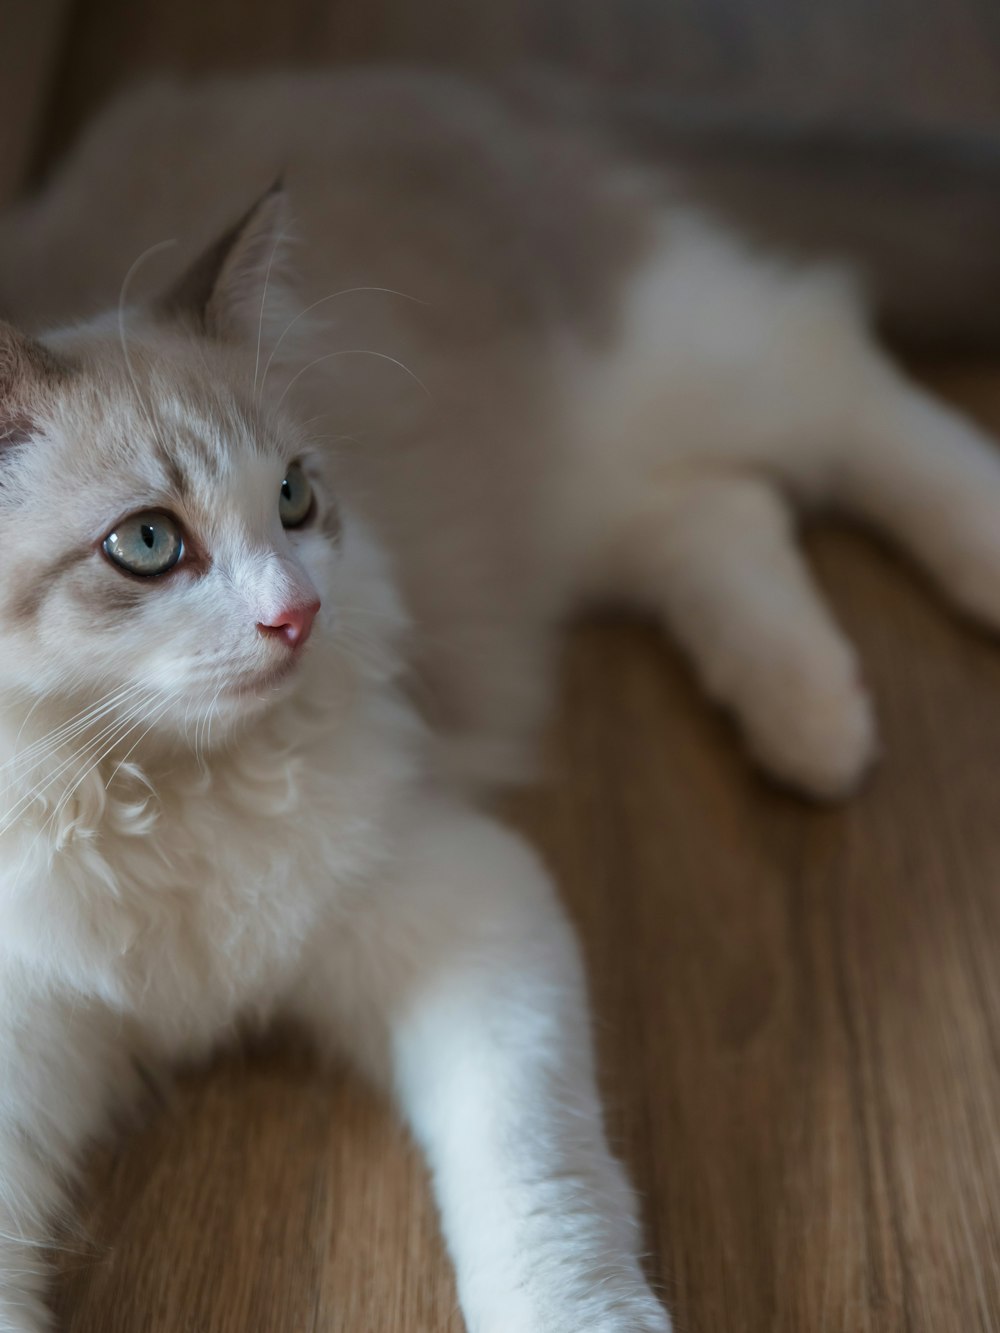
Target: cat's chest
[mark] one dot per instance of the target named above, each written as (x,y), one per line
(216,900)
(184,897)
(195,913)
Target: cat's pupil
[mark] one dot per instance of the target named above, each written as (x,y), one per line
(148,535)
(286,490)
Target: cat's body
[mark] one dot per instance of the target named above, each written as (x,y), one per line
(528,376)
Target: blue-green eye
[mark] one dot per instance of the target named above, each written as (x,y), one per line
(295,502)
(146,544)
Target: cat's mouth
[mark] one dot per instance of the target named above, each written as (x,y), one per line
(263,682)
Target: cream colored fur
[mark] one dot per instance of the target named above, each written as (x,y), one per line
(522,375)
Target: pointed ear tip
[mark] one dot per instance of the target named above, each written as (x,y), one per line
(255,243)
(272,208)
(275,197)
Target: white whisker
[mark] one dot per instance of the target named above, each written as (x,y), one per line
(126,283)
(346,291)
(117,735)
(28,798)
(279,240)
(116,732)
(164,704)
(68,729)
(353,351)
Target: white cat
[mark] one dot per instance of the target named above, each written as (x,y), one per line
(284,554)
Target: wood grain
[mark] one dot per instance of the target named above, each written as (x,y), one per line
(797,1010)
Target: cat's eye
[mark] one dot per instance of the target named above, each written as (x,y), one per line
(145,544)
(295,503)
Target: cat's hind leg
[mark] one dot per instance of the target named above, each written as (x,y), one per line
(734,358)
(929,478)
(741,386)
(715,557)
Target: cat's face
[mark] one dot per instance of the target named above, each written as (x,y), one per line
(167,543)
(160,534)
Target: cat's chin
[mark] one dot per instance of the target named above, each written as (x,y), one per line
(242,701)
(249,695)
(264,686)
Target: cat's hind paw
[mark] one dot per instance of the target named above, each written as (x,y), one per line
(813,732)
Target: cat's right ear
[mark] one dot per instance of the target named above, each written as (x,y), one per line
(28,371)
(237,284)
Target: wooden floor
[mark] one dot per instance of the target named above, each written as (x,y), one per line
(798,1010)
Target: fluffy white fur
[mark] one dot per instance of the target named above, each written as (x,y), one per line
(529,400)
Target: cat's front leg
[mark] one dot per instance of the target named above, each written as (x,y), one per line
(59,1061)
(462,975)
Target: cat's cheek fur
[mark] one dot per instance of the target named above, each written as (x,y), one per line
(174,641)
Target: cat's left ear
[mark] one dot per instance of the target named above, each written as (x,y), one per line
(29,375)
(238,283)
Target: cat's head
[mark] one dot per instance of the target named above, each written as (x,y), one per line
(168,542)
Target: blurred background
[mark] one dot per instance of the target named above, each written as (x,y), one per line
(932,61)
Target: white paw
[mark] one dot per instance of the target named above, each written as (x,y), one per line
(969,571)
(633,1310)
(814,730)
(654,1321)
(643,1314)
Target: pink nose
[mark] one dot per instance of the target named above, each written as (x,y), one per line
(293,624)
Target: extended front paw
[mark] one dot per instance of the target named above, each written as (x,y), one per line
(594,1310)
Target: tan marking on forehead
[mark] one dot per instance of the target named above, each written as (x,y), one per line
(197,445)
(176,477)
(189,442)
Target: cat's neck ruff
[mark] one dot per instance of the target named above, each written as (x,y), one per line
(147,881)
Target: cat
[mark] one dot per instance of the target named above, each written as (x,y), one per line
(324,399)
